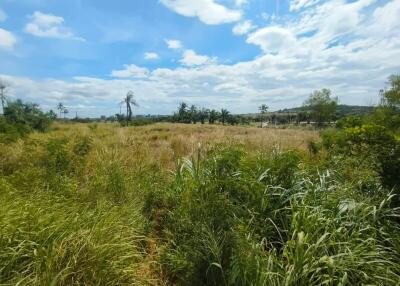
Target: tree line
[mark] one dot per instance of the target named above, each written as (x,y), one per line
(319,109)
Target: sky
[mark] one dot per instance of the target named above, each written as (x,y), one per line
(234,54)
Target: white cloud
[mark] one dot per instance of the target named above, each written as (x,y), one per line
(49,26)
(240,3)
(151,56)
(243,27)
(386,19)
(272,39)
(190,58)
(3,16)
(296,5)
(353,59)
(131,71)
(7,40)
(208,11)
(173,44)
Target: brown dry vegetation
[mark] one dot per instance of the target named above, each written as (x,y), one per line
(162,143)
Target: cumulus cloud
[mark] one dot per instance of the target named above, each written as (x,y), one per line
(151,56)
(49,26)
(191,58)
(131,71)
(7,40)
(297,57)
(240,3)
(272,39)
(208,11)
(243,27)
(173,44)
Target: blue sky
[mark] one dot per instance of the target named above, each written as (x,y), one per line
(236,54)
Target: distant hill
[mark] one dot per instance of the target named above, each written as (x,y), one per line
(342,110)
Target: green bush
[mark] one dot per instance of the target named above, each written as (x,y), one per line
(368,142)
(20,119)
(350,121)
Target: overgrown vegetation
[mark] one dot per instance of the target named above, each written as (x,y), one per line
(20,119)
(176,204)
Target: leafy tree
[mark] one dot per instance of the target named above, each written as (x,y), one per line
(263,110)
(193,113)
(323,107)
(52,114)
(27,116)
(224,115)
(391,97)
(182,109)
(232,119)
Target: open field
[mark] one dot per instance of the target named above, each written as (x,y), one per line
(181,204)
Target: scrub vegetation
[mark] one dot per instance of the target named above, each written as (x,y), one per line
(193,204)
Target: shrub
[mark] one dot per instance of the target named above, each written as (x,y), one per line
(350,121)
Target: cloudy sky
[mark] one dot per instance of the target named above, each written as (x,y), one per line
(236,54)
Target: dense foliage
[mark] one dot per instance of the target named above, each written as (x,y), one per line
(231,218)
(21,118)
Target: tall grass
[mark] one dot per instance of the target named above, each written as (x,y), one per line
(104,205)
(267,220)
(70,214)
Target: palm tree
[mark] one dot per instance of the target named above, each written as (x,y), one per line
(129,101)
(224,115)
(193,113)
(60,107)
(212,116)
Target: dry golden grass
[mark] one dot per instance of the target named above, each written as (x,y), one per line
(162,143)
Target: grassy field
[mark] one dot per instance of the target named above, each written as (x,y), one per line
(175,204)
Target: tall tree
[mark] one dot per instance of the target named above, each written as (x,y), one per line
(182,109)
(322,106)
(224,115)
(193,113)
(129,101)
(263,110)
(391,96)
(60,107)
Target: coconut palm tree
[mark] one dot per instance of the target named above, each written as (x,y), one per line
(60,108)
(129,101)
(224,115)
(212,116)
